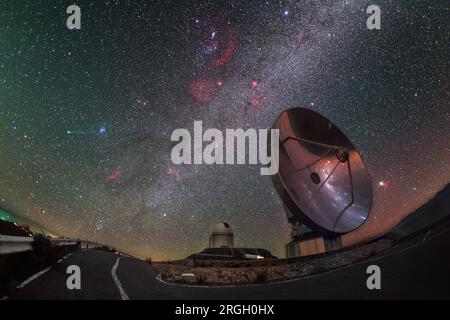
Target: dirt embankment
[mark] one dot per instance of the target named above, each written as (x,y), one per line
(241,272)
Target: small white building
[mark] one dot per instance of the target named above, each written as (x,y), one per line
(222,236)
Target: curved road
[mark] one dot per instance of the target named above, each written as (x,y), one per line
(416,269)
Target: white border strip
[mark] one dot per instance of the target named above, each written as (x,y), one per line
(65,257)
(40,273)
(33,277)
(122,292)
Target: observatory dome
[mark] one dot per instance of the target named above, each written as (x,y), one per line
(221,236)
(222,228)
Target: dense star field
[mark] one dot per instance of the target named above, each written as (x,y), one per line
(86,115)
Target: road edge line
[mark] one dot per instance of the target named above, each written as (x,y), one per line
(33,277)
(40,273)
(122,292)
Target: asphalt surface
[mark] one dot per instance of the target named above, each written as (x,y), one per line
(417,269)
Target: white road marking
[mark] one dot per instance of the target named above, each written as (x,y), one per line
(123,295)
(426,236)
(65,257)
(33,277)
(40,273)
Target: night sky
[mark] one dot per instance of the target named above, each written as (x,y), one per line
(86,115)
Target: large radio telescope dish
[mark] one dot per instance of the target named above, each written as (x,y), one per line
(322,178)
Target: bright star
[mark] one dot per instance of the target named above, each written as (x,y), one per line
(102,130)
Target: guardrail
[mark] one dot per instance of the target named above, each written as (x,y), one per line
(64,242)
(14,244)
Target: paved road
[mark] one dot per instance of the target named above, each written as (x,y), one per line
(419,268)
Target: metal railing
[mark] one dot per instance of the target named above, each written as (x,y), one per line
(15,244)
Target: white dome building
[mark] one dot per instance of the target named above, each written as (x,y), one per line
(222,236)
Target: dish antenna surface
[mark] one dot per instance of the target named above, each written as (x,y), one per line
(322,178)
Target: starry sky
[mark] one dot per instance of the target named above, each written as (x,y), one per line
(86,115)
